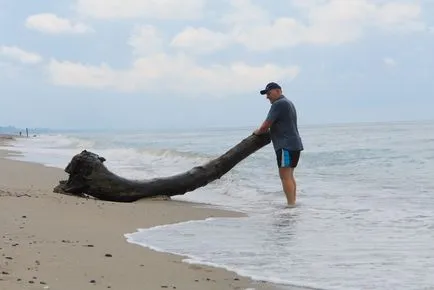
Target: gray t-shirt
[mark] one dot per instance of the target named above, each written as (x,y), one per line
(284,130)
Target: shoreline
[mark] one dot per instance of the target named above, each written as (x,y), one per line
(64,242)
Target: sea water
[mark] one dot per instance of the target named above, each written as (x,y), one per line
(365,212)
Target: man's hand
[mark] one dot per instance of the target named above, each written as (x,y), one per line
(263,129)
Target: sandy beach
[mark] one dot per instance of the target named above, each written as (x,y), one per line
(53,241)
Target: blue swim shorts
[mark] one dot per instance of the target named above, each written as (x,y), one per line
(287,158)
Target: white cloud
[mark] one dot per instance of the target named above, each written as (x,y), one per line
(77,74)
(200,40)
(244,13)
(389,61)
(320,22)
(157,9)
(145,39)
(51,23)
(18,54)
(180,75)
(400,17)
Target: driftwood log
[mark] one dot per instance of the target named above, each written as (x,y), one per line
(88,176)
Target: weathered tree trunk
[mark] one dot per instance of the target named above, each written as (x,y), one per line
(89,176)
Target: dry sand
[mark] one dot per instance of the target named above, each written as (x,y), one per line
(52,241)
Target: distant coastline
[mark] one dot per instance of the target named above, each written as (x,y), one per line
(14,130)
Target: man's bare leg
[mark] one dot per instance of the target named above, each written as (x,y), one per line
(288,184)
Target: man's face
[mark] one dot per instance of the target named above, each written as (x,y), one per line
(273,94)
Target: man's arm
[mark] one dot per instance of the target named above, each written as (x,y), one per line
(272,116)
(263,128)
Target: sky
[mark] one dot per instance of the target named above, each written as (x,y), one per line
(143,64)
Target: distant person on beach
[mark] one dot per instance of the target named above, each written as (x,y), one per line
(282,123)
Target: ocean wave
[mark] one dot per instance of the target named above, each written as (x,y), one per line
(71,145)
(57,141)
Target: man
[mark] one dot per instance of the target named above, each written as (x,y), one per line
(282,123)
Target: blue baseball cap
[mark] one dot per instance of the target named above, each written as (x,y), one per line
(269,87)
